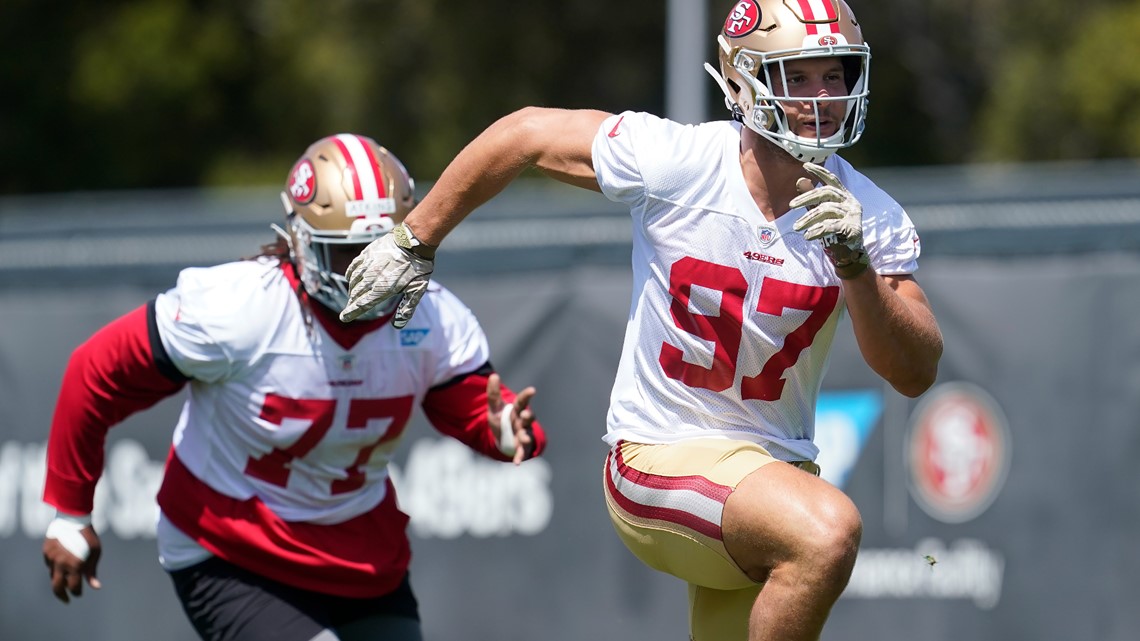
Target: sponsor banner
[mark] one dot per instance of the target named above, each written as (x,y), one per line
(1000,504)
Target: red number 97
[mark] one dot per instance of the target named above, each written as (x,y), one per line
(724,330)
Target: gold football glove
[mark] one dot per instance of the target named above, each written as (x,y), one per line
(395,263)
(835,218)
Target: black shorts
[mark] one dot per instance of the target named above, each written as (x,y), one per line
(227,603)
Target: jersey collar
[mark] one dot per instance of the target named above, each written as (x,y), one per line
(347,335)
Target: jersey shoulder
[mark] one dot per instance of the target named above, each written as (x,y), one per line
(665,159)
(876,202)
(236,305)
(662,143)
(447,330)
(441,309)
(888,232)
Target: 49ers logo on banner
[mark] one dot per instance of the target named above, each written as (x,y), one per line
(743,19)
(959,452)
(303,182)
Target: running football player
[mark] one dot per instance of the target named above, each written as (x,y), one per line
(277,516)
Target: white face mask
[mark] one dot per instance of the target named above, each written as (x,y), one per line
(761,109)
(312,254)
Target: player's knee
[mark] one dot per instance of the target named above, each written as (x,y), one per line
(831,542)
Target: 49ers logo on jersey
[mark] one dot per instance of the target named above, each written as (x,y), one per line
(303,182)
(743,19)
(959,452)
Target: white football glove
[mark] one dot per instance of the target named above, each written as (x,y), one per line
(385,268)
(835,218)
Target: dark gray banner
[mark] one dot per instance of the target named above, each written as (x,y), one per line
(1002,505)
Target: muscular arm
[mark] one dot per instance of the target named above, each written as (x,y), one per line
(895,329)
(556,141)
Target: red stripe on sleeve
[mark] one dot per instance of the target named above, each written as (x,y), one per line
(109,377)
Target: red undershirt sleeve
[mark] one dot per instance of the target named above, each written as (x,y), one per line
(120,370)
(458,408)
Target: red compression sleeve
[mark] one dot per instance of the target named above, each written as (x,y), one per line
(459,409)
(114,374)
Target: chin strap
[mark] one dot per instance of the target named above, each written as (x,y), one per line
(720,82)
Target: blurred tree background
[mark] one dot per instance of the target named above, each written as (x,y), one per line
(180,93)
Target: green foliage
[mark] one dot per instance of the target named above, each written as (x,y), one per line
(168,93)
(1100,81)
(175,93)
(1072,96)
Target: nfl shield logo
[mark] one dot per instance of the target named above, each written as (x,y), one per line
(767,235)
(346,361)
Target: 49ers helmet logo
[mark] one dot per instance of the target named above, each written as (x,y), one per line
(828,41)
(959,452)
(303,182)
(743,19)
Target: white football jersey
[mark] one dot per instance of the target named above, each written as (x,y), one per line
(732,316)
(280,412)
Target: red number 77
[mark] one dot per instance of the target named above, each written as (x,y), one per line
(725,330)
(275,467)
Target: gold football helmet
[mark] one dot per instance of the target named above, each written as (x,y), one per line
(344,192)
(759,37)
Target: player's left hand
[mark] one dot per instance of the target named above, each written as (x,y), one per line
(517,416)
(835,218)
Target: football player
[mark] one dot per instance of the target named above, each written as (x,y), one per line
(277,516)
(751,239)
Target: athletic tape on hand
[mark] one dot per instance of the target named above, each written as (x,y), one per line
(69,532)
(507,443)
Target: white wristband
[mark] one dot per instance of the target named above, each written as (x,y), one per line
(507,443)
(68,530)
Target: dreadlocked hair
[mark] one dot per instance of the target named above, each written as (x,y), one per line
(278,248)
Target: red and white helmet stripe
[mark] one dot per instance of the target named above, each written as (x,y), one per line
(367,180)
(822,10)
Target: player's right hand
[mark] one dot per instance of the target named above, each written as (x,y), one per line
(386,268)
(71,553)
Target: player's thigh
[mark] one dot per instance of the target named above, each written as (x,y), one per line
(381,628)
(392,617)
(226,603)
(780,513)
(667,504)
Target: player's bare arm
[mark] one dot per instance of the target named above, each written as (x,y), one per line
(556,141)
(894,325)
(895,329)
